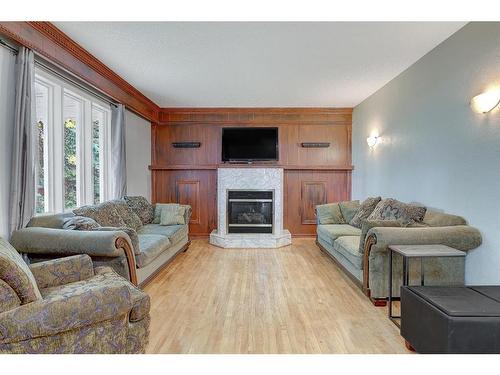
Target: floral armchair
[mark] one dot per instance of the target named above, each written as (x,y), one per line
(66,305)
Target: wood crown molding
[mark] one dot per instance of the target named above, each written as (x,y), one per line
(247,115)
(50,42)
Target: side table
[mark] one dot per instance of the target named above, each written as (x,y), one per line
(416,251)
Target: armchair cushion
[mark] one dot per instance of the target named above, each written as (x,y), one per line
(16,273)
(329,214)
(141,207)
(68,307)
(62,271)
(349,209)
(364,211)
(392,209)
(8,297)
(105,214)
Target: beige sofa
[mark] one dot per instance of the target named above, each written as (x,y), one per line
(363,253)
(134,253)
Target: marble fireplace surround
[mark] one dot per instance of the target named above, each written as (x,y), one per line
(250,179)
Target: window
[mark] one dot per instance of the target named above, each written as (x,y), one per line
(72,131)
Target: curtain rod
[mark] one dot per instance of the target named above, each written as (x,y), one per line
(74,81)
(6,45)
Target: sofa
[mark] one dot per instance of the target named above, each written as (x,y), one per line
(67,305)
(362,250)
(124,234)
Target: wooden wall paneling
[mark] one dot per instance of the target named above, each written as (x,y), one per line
(51,43)
(336,154)
(304,190)
(194,187)
(312,193)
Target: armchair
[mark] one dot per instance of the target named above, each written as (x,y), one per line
(74,307)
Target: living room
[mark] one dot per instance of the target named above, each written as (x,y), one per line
(173,187)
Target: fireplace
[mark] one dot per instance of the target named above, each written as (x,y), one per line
(250,208)
(250,211)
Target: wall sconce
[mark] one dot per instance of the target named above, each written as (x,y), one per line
(486,101)
(372,141)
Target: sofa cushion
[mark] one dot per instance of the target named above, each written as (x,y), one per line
(141,207)
(349,209)
(439,219)
(127,214)
(330,232)
(151,246)
(105,214)
(392,209)
(17,275)
(80,223)
(364,211)
(329,214)
(174,233)
(172,215)
(348,246)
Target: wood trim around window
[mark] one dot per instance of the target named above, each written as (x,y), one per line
(50,42)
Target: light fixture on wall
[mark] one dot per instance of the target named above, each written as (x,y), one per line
(372,140)
(486,101)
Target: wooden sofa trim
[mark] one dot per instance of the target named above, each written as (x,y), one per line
(124,244)
(369,242)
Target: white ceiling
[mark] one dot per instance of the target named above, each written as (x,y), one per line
(292,64)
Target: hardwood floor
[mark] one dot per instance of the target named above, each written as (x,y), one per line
(288,300)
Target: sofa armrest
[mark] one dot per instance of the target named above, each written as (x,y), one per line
(86,306)
(131,233)
(62,271)
(187,213)
(461,237)
(62,242)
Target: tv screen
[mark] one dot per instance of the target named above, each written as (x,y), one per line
(249,144)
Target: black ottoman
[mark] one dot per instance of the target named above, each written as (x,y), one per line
(451,319)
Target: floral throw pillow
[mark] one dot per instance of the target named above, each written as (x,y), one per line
(80,223)
(364,211)
(141,207)
(105,214)
(392,209)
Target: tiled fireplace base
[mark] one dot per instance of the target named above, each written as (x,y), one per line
(246,240)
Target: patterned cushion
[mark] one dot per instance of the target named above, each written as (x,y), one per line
(127,214)
(141,207)
(329,214)
(16,273)
(8,297)
(105,214)
(364,211)
(349,209)
(158,208)
(172,215)
(80,223)
(392,209)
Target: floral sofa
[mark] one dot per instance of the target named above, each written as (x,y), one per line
(67,306)
(124,234)
(357,235)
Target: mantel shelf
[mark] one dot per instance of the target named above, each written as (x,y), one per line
(215,166)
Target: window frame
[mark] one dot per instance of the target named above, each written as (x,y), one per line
(54,200)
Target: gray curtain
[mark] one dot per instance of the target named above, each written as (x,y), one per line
(22,185)
(118,160)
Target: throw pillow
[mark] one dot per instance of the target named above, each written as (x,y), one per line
(141,207)
(392,209)
(127,214)
(172,215)
(158,208)
(364,211)
(80,223)
(105,214)
(16,273)
(349,209)
(329,214)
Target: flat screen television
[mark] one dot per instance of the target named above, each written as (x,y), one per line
(249,144)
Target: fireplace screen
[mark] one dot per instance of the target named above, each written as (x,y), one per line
(250,211)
